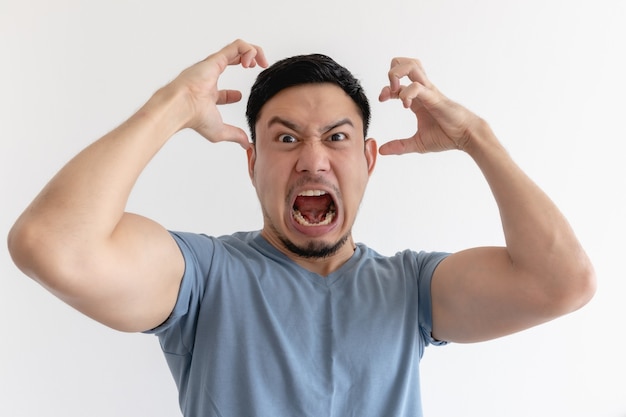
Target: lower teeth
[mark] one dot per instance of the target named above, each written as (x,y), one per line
(304,222)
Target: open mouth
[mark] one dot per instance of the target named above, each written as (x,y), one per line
(314,208)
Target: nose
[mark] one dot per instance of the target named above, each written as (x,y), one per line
(313,158)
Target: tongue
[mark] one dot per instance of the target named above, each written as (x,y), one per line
(313,209)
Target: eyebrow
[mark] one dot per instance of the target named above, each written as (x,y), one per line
(293,126)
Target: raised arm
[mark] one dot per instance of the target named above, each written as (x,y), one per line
(76,239)
(483,293)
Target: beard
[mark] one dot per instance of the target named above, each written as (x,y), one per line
(312,249)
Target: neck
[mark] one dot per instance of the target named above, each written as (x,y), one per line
(319,258)
(325,266)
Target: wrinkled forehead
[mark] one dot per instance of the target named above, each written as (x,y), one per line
(321,106)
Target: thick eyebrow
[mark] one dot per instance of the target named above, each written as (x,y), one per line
(337,124)
(279,120)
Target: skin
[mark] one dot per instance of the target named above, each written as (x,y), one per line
(124,270)
(484,293)
(325,151)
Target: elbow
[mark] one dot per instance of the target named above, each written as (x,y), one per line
(20,245)
(588,284)
(575,289)
(31,250)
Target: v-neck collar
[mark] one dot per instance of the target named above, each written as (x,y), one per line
(326,281)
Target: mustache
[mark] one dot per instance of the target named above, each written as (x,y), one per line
(312,181)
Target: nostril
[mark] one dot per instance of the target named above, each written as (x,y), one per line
(313,159)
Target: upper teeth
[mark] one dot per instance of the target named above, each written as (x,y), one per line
(312,193)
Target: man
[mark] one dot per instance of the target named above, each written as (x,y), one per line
(296,319)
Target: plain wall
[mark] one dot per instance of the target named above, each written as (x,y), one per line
(547,75)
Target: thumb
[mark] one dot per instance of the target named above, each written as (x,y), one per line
(235,134)
(400,147)
(226,133)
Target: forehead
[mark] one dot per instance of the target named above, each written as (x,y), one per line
(310,104)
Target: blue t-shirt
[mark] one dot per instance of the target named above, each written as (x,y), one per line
(255,334)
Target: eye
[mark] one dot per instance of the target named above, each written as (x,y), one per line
(337,137)
(286,138)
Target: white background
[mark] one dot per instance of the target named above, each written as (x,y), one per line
(548,75)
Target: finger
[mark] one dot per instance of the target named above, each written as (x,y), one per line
(387,93)
(244,53)
(406,67)
(405,93)
(429,97)
(394,80)
(228,96)
(254,57)
(410,93)
(239,52)
(416,93)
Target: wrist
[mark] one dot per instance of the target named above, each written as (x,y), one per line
(168,110)
(481,140)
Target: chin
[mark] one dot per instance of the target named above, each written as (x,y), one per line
(314,249)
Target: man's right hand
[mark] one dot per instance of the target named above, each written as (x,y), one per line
(200,85)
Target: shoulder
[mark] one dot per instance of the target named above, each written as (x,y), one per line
(408,260)
(202,243)
(239,250)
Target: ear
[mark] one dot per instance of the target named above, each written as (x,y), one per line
(251,153)
(371,152)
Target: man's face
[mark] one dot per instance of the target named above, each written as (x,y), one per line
(310,166)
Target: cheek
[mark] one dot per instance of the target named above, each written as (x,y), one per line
(355,182)
(269,184)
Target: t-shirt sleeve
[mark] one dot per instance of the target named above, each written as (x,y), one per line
(427,263)
(177,332)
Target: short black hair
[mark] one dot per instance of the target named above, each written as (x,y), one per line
(299,70)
